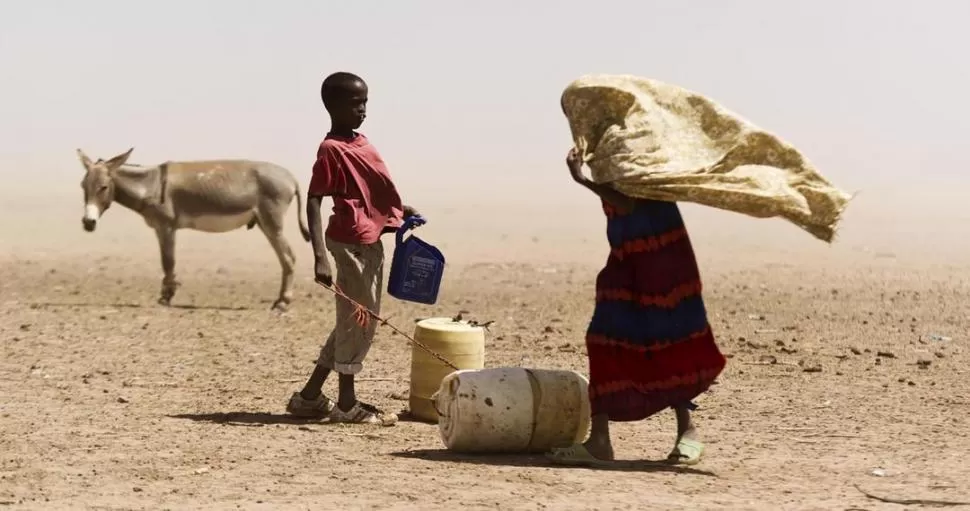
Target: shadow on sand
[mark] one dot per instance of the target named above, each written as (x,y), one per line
(538,460)
(246,418)
(259,419)
(42,305)
(265,418)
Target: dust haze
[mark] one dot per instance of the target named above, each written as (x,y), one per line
(469,123)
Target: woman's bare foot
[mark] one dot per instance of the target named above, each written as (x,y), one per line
(599,447)
(599,444)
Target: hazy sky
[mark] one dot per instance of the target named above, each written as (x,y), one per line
(468,92)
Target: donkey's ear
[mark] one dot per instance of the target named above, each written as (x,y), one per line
(119,160)
(84,159)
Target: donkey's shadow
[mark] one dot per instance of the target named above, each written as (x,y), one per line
(130,305)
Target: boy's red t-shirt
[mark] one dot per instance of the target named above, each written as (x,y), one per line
(365,200)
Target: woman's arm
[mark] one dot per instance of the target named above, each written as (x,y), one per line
(606,192)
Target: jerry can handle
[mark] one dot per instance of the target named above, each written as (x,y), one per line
(409,223)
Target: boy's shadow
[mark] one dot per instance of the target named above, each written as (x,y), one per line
(257,419)
(252,419)
(538,460)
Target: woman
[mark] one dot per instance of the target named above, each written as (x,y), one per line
(649,344)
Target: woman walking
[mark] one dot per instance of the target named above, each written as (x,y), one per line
(649,343)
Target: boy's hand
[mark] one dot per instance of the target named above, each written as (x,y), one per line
(410,211)
(322,272)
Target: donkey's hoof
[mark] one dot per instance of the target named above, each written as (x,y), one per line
(280,306)
(165,301)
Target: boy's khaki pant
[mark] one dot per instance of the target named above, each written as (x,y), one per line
(360,275)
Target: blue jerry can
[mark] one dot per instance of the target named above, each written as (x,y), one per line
(416,268)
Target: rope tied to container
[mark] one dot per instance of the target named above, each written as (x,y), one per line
(362,315)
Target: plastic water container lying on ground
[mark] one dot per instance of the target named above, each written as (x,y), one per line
(416,268)
(459,342)
(512,410)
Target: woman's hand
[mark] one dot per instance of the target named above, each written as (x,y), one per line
(574,160)
(605,191)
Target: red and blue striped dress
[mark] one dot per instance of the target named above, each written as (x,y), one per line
(650,345)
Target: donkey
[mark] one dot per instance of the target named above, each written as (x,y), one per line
(210,196)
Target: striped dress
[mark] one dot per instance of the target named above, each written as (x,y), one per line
(649,343)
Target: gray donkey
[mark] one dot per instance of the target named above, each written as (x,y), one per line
(209,196)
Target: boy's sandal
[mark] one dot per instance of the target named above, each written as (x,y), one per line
(362,413)
(318,408)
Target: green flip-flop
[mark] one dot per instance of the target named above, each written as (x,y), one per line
(687,452)
(576,455)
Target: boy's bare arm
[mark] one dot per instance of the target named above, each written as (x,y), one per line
(409,211)
(321,264)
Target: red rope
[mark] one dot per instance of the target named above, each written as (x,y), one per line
(362,315)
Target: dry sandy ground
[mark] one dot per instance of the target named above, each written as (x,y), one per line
(108,401)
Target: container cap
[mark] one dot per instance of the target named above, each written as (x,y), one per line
(447,325)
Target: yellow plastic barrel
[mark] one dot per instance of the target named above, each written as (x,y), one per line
(457,341)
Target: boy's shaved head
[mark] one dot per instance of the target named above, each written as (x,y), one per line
(345,97)
(340,85)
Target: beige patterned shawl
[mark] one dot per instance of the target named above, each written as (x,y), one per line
(658,141)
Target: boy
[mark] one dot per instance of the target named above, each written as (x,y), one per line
(366,205)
